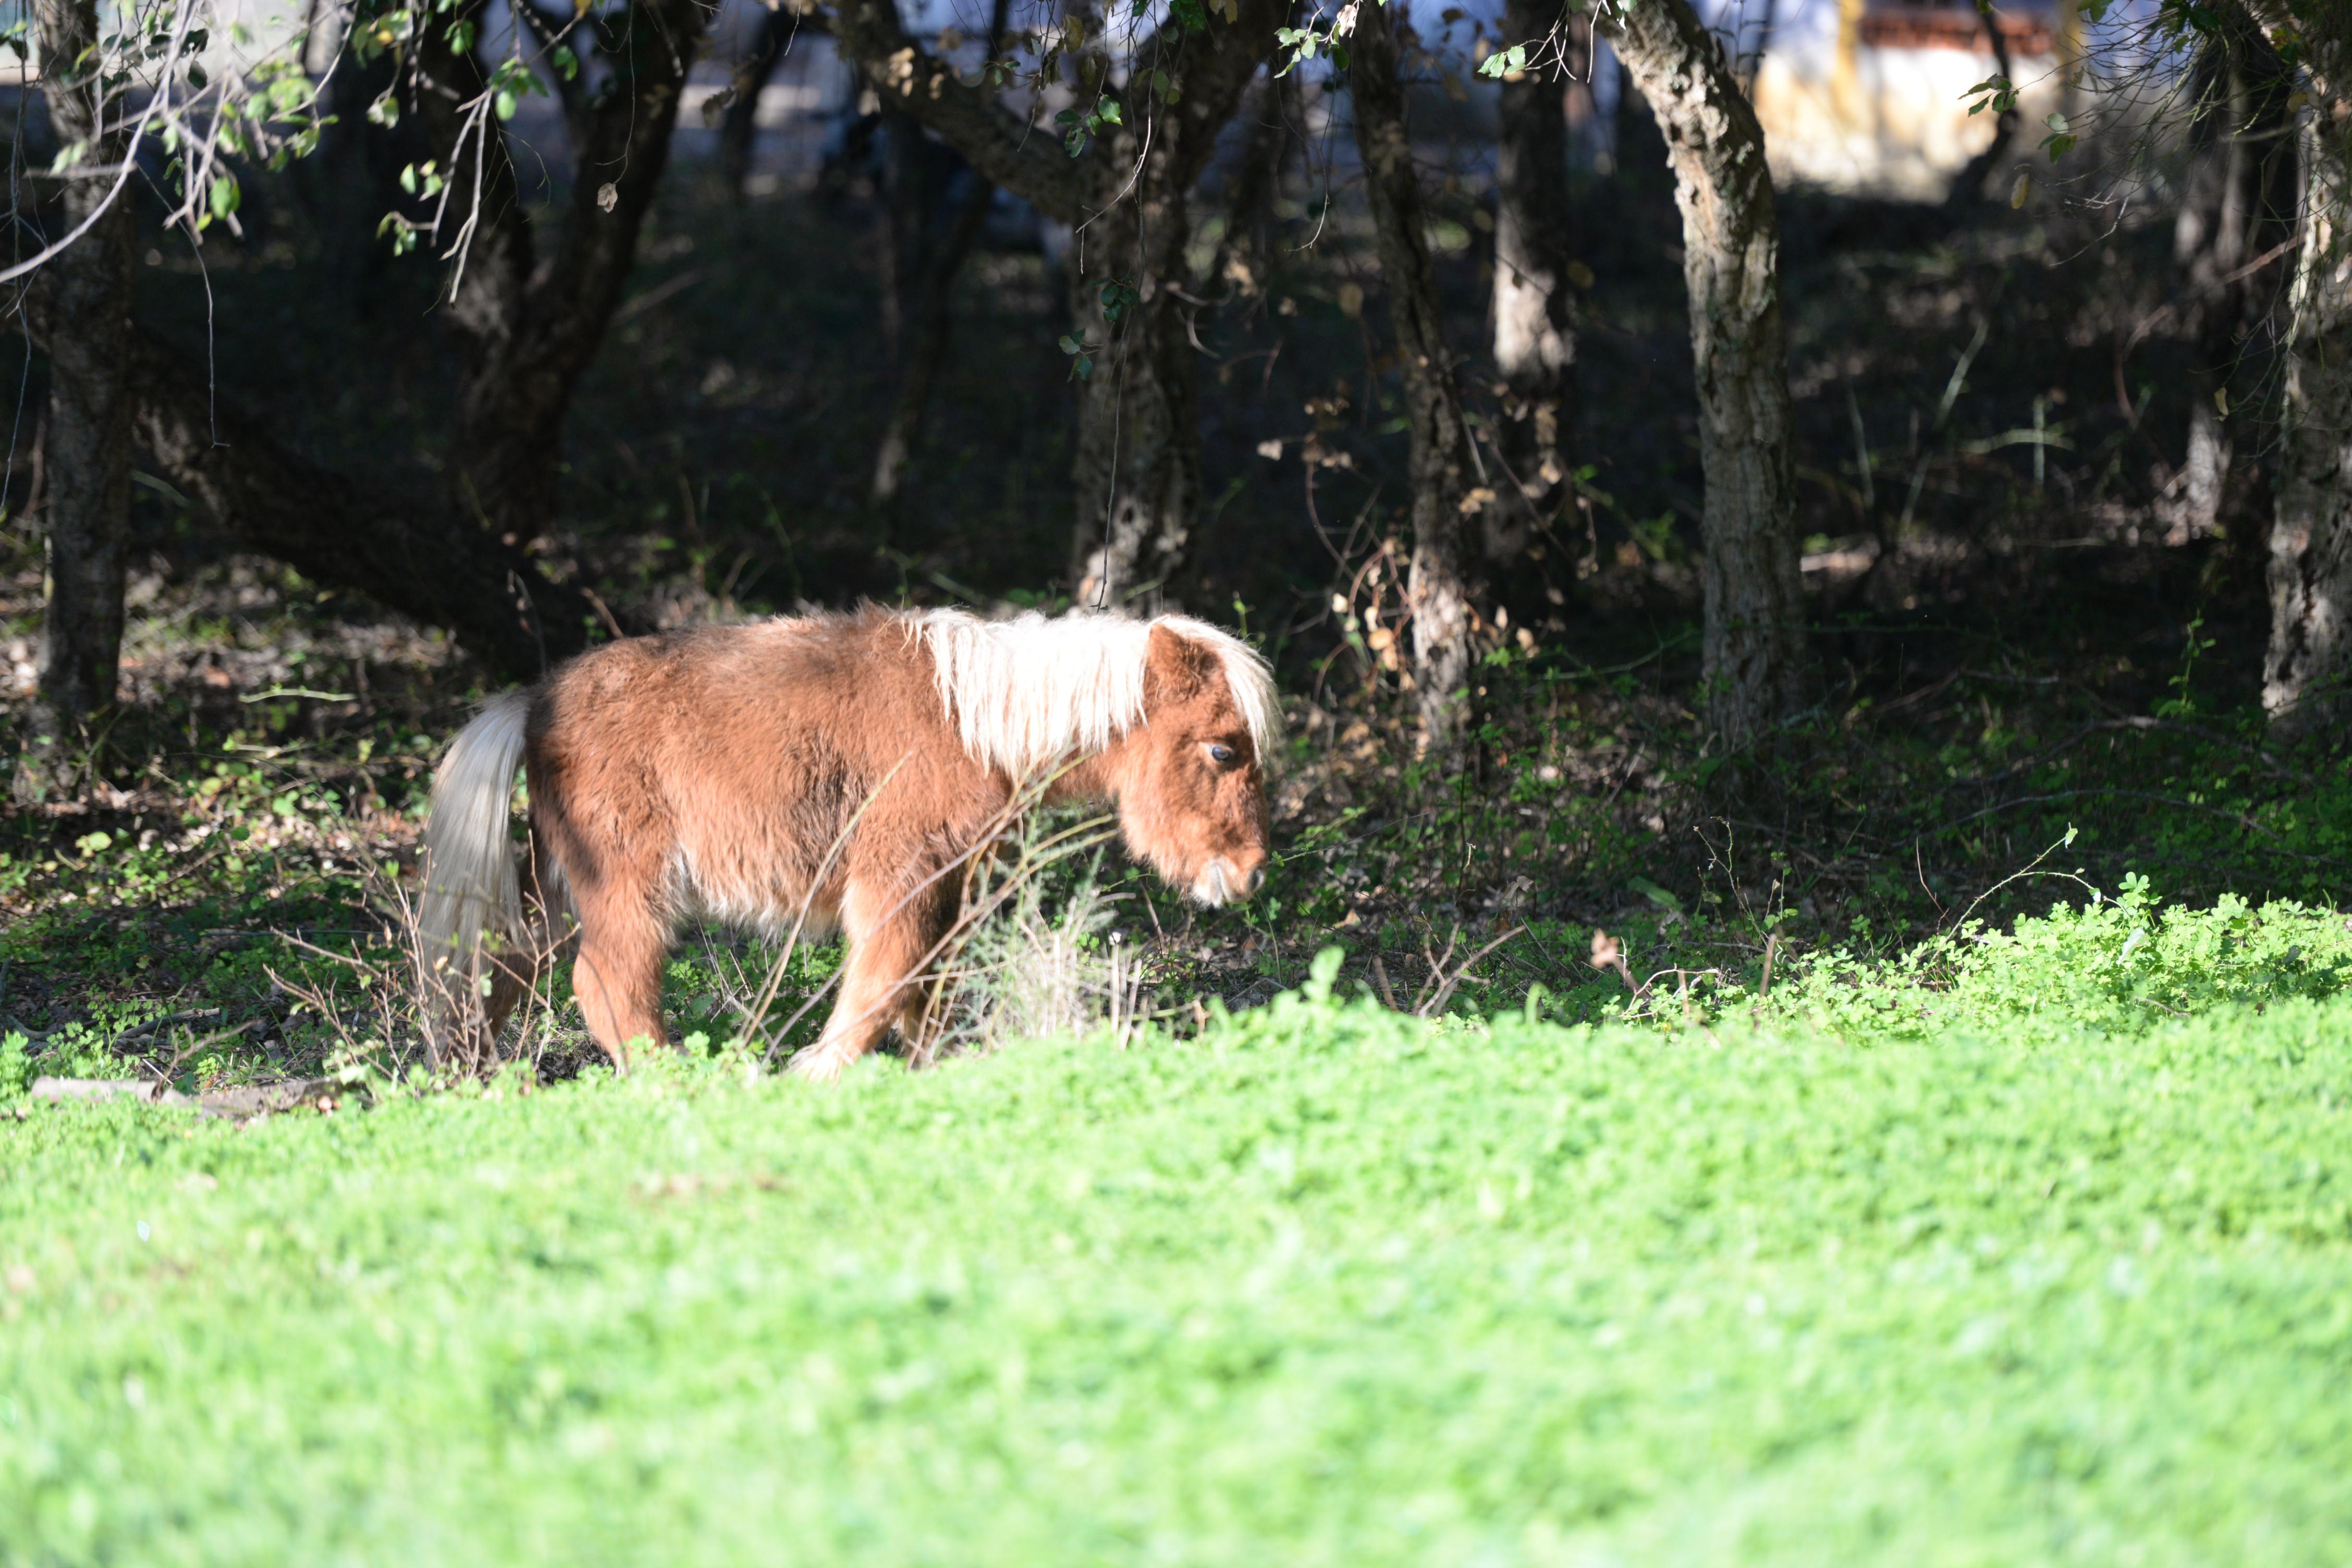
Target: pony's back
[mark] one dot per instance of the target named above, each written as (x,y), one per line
(829,771)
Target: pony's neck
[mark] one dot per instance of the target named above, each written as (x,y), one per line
(1099,777)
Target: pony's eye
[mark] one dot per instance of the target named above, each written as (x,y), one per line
(1220,754)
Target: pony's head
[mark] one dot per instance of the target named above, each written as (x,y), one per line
(1191,791)
(1172,717)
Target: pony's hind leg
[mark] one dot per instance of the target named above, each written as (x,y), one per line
(470,1001)
(617,972)
(889,937)
(617,979)
(547,929)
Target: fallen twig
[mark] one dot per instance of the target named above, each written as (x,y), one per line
(1437,1004)
(239,1104)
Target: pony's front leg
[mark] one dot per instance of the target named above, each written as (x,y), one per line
(889,936)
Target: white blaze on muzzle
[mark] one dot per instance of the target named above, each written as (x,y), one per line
(1222,883)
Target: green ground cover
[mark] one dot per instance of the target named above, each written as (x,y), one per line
(2056,1270)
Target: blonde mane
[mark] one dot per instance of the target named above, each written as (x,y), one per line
(1027,692)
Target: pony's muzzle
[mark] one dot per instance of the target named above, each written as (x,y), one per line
(1223,882)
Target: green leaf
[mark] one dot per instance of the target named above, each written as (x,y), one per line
(225,195)
(1502,62)
(1655,894)
(1109,112)
(566,63)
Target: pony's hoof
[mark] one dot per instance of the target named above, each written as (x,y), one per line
(818,1065)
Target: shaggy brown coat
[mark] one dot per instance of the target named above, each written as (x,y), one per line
(830,773)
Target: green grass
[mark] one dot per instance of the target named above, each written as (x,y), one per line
(1325,1285)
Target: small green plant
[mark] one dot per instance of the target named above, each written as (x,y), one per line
(16,1064)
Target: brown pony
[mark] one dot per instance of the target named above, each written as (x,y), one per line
(826,772)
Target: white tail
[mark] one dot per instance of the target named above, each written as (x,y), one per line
(470,868)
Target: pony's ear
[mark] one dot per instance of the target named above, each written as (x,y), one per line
(1176,667)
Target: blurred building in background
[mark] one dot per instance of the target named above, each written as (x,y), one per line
(1869,97)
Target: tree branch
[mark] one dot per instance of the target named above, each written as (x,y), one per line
(1027,161)
(409,555)
(623,151)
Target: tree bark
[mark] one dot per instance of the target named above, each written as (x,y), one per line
(739,128)
(462,560)
(2239,205)
(928,318)
(86,454)
(530,330)
(1245,252)
(1135,475)
(907,197)
(1535,304)
(1641,163)
(2308,675)
(1967,185)
(1442,586)
(1757,668)
(411,555)
(926,312)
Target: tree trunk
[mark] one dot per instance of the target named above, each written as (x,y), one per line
(1136,472)
(532,331)
(463,562)
(412,556)
(909,198)
(927,312)
(739,128)
(87,456)
(1534,305)
(1136,475)
(1642,164)
(1757,669)
(1245,252)
(2309,666)
(1441,588)
(2239,205)
(353,178)
(929,317)
(1967,185)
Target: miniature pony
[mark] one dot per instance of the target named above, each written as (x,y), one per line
(824,772)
